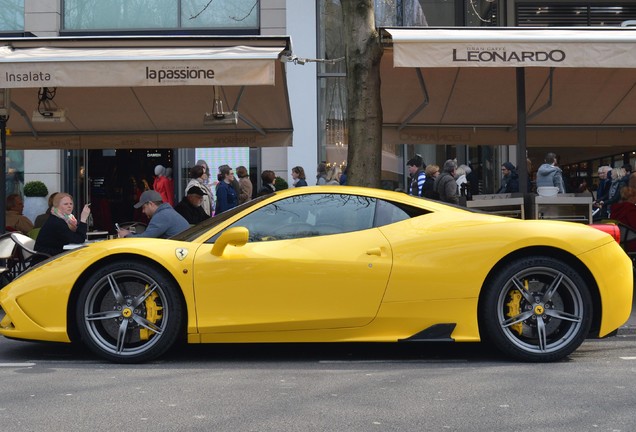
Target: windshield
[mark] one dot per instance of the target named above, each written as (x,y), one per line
(200,228)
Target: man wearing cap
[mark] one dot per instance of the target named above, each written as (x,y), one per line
(190,206)
(164,220)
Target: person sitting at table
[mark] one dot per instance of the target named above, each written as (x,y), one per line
(14,218)
(164,220)
(62,228)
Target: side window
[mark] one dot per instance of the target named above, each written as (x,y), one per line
(309,216)
(387,213)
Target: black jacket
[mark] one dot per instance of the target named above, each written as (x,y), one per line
(266,190)
(509,183)
(192,214)
(55,233)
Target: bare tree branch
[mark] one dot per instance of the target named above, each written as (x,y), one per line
(202,10)
(247,14)
(231,17)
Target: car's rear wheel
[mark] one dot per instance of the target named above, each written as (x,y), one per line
(536,309)
(129,312)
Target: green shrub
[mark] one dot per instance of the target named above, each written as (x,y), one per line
(35,189)
(280,183)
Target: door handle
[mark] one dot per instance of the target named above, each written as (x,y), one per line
(375,251)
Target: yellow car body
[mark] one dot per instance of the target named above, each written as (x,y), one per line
(419,278)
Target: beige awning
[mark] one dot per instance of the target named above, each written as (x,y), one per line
(147,92)
(589,47)
(458,86)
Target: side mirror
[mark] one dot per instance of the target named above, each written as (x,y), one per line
(236,236)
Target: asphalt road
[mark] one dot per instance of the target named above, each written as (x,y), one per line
(346,387)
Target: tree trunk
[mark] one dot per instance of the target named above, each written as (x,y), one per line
(363,52)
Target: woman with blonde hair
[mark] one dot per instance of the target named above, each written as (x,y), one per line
(619,181)
(333,175)
(62,228)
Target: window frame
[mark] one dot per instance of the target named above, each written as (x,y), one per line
(179,29)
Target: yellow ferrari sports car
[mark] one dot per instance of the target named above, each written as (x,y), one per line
(332,264)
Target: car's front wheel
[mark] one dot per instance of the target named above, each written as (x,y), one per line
(129,312)
(536,309)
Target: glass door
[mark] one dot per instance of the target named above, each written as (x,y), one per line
(74,177)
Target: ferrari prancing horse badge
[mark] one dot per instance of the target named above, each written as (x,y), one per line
(181,253)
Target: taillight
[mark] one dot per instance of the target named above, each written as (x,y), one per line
(609,228)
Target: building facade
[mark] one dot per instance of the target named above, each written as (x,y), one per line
(316,88)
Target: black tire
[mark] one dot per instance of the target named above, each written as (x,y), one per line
(536,309)
(129,312)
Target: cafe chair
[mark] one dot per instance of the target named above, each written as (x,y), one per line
(7,247)
(24,255)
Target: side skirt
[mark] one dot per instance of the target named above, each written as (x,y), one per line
(435,333)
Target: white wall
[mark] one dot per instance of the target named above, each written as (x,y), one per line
(42,17)
(301,81)
(300,24)
(44,165)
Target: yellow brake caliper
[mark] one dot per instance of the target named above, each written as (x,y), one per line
(514,307)
(153,314)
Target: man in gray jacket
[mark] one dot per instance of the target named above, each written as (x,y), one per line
(549,174)
(164,220)
(445,184)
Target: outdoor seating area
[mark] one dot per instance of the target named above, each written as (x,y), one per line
(17,255)
(565,207)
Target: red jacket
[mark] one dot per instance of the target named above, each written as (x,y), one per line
(162,185)
(625,213)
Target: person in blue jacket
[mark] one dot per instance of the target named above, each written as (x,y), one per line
(226,196)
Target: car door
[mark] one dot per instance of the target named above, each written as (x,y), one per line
(313,262)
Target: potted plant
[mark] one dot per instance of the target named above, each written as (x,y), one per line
(35,199)
(280,183)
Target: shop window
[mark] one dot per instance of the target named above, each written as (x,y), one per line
(482,13)
(12,16)
(568,14)
(409,13)
(220,14)
(160,15)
